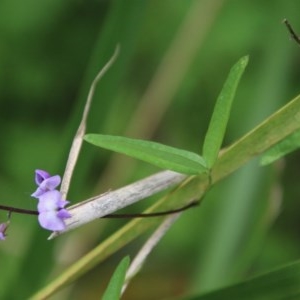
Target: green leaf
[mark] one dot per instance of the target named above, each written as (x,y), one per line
(217,126)
(160,155)
(289,144)
(277,127)
(282,283)
(113,290)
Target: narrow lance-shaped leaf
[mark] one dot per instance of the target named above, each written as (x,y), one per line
(289,144)
(217,126)
(283,283)
(113,290)
(160,155)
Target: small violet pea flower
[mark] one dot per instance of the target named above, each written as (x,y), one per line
(3,227)
(45,182)
(51,205)
(51,211)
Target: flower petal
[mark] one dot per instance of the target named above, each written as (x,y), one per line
(38,192)
(49,201)
(40,176)
(49,220)
(50,183)
(3,227)
(62,203)
(63,214)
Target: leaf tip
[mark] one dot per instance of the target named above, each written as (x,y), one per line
(244,61)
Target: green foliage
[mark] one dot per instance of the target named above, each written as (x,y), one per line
(113,290)
(160,155)
(174,159)
(275,128)
(282,283)
(289,144)
(217,126)
(48,59)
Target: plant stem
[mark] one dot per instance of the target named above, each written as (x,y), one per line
(18,210)
(78,139)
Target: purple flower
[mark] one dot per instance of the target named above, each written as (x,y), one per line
(45,182)
(51,205)
(3,227)
(51,211)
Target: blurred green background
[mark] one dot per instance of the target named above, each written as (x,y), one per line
(175,56)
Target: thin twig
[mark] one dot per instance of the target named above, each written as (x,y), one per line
(78,139)
(291,31)
(23,211)
(141,257)
(151,215)
(17,210)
